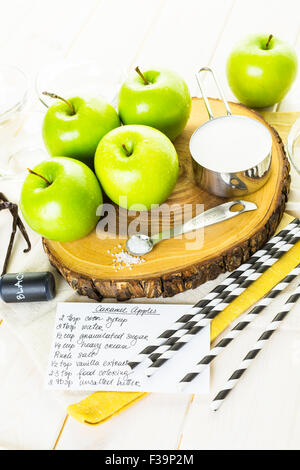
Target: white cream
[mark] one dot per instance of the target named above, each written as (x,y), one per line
(231,144)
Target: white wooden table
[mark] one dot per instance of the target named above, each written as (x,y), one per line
(182,35)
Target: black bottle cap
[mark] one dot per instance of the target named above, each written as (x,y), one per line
(27,287)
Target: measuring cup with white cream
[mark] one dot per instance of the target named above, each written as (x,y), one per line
(231,154)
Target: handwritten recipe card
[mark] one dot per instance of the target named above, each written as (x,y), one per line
(93,343)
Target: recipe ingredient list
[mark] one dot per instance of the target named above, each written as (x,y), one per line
(93,343)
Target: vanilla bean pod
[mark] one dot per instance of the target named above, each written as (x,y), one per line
(20,226)
(13,208)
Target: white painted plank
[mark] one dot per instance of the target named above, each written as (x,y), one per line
(30,416)
(13,14)
(109,41)
(42,33)
(263,410)
(185,36)
(114,33)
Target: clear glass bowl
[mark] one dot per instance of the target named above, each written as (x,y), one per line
(26,149)
(293,145)
(13,92)
(293,150)
(13,96)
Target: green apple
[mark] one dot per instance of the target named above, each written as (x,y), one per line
(137,166)
(157,98)
(261,70)
(74,127)
(60,198)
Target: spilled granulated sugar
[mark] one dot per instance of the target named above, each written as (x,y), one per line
(122,259)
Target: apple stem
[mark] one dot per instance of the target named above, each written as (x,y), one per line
(268,41)
(126,150)
(142,76)
(56,97)
(37,174)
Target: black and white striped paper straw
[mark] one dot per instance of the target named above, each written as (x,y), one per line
(143,356)
(249,358)
(193,327)
(275,253)
(240,326)
(246,278)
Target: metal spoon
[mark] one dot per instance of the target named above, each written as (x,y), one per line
(140,244)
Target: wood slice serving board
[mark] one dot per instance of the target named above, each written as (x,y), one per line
(178,264)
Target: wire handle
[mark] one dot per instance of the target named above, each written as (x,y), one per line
(207,105)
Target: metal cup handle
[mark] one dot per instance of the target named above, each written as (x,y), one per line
(207,105)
